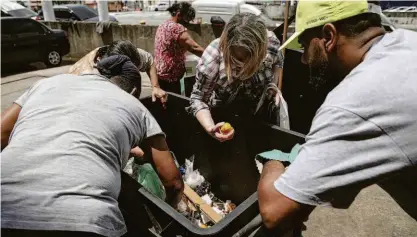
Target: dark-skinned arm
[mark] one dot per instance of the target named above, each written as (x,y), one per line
(279,213)
(188,43)
(8,120)
(166,168)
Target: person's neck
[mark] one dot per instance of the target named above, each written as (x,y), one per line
(353,50)
(174,19)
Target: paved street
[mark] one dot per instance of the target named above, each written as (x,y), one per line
(14,85)
(151,18)
(156,18)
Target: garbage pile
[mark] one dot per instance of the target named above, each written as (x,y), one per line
(199,204)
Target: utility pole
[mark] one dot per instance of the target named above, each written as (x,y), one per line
(48,10)
(103,10)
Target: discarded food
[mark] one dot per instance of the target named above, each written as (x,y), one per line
(226,128)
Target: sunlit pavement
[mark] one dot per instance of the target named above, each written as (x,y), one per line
(12,86)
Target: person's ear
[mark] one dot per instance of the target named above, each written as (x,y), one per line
(329,34)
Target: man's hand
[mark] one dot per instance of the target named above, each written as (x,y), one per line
(137,153)
(166,168)
(214,131)
(158,93)
(279,213)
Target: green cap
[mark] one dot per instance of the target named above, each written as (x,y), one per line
(311,14)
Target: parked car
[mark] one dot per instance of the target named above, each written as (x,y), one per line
(74,12)
(9,8)
(162,6)
(402,9)
(206,9)
(24,40)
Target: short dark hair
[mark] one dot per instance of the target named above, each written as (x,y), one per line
(184,8)
(124,47)
(126,84)
(355,25)
(101,52)
(351,26)
(121,70)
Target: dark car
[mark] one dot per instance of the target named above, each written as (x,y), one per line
(74,13)
(25,40)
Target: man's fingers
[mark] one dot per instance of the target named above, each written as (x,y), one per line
(137,152)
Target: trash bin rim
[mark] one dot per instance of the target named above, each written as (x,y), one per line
(182,220)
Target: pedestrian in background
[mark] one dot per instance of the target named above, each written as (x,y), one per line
(142,59)
(172,41)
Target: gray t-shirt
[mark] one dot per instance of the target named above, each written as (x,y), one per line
(61,169)
(365,132)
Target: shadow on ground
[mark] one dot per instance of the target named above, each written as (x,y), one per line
(8,70)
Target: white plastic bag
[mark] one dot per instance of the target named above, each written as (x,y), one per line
(192,178)
(283,116)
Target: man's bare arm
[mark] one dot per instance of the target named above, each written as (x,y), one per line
(8,120)
(166,168)
(278,212)
(187,42)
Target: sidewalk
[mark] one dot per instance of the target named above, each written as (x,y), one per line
(14,85)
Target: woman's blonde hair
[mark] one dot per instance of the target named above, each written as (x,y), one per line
(247,31)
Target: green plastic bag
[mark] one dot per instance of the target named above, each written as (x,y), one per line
(149,179)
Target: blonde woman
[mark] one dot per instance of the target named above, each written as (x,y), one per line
(240,67)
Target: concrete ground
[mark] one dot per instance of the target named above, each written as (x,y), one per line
(134,17)
(373,213)
(13,86)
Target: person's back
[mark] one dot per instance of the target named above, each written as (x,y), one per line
(61,168)
(374,109)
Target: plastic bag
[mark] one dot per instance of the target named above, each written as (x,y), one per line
(149,179)
(276,110)
(284,119)
(192,178)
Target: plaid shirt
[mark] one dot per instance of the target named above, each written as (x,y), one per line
(213,89)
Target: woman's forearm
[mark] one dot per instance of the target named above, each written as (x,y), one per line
(153,76)
(204,117)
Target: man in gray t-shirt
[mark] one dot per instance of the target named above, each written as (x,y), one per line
(71,137)
(366,130)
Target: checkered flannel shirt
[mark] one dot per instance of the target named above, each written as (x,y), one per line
(212,89)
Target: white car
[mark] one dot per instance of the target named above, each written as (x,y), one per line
(402,9)
(162,6)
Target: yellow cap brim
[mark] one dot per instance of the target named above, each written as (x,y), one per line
(292,42)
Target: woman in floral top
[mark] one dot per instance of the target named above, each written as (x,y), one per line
(243,62)
(172,41)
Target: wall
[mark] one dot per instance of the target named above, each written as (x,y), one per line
(84,38)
